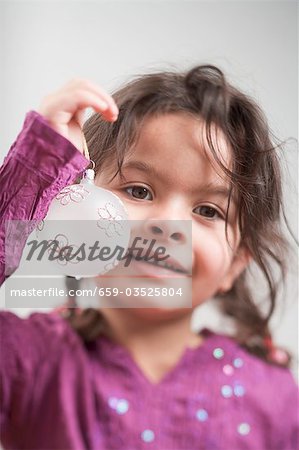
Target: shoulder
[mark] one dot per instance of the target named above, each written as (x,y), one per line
(269,387)
(255,368)
(271,391)
(265,395)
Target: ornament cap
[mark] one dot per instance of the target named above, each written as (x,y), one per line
(89,174)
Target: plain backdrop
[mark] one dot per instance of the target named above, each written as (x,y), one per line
(46,43)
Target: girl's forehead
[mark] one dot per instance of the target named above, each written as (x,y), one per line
(183,138)
(175,147)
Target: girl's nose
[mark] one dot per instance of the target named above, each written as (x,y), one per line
(170,231)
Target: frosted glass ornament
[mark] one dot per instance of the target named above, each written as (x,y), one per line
(83,215)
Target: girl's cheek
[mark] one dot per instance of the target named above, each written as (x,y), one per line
(210,251)
(133,212)
(136,211)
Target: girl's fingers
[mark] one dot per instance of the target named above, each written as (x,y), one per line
(101,92)
(70,101)
(97,90)
(63,106)
(86,99)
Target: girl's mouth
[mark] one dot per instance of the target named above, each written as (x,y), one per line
(158,268)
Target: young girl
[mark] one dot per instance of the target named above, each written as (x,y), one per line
(173,147)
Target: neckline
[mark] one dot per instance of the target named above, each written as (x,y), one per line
(115,352)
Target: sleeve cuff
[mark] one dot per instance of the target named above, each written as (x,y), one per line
(42,149)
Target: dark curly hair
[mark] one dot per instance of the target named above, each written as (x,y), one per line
(255,176)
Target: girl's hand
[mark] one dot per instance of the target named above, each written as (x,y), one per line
(64,109)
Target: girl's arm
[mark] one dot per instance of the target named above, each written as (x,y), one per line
(45,158)
(39,164)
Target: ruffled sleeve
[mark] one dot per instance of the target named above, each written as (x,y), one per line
(39,164)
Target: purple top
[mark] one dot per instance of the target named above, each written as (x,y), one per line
(58,393)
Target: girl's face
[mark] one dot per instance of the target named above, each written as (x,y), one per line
(168,179)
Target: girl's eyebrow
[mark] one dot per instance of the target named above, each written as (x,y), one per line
(225,191)
(140,165)
(217,189)
(210,188)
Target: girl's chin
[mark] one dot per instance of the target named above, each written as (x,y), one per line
(159,313)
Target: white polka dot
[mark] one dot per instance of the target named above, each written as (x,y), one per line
(147,435)
(243,428)
(202,415)
(112,402)
(238,362)
(218,353)
(239,390)
(122,406)
(226,391)
(228,369)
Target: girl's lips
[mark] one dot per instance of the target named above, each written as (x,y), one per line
(147,269)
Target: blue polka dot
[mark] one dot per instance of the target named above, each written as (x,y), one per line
(122,406)
(238,362)
(202,415)
(147,435)
(239,391)
(226,391)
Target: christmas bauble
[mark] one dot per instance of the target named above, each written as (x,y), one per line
(87,230)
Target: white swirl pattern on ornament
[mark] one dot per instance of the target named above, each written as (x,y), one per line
(75,193)
(111,222)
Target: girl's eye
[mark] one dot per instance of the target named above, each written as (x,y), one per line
(208,212)
(140,192)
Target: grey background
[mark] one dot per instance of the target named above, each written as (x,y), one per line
(44,44)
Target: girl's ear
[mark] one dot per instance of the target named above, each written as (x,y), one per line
(239,263)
